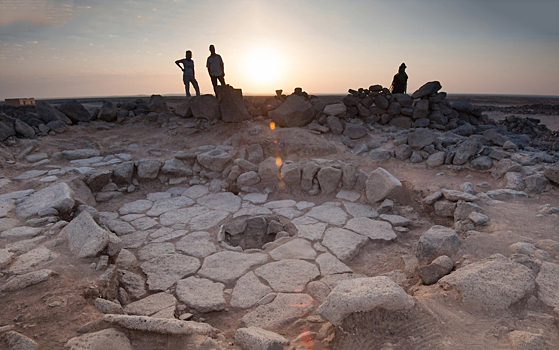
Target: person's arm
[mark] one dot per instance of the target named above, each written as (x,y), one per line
(222,66)
(177,62)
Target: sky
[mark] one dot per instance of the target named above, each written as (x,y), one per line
(86,48)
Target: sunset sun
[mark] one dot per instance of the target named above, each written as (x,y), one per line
(263,65)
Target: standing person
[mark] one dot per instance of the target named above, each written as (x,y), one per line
(400,81)
(188,75)
(215,68)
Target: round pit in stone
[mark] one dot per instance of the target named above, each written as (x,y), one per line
(253,232)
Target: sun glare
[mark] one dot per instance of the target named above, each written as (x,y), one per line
(263,65)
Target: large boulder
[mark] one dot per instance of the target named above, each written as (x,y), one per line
(466,151)
(108,112)
(294,112)
(214,160)
(493,284)
(328,179)
(7,128)
(107,339)
(254,338)
(437,241)
(59,197)
(548,284)
(23,129)
(231,104)
(421,138)
(380,185)
(205,107)
(364,295)
(156,104)
(184,110)
(354,131)
(552,173)
(48,113)
(427,89)
(336,109)
(85,238)
(75,111)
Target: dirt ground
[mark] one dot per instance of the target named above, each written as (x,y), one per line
(52,312)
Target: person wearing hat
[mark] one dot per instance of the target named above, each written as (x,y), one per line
(400,81)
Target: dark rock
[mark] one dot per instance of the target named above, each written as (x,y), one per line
(437,117)
(394,108)
(58,126)
(440,267)
(108,112)
(421,109)
(205,107)
(427,89)
(157,105)
(355,131)
(24,129)
(552,173)
(421,138)
(7,128)
(351,101)
(482,163)
(335,125)
(401,122)
(75,111)
(381,102)
(294,112)
(466,151)
(48,113)
(231,104)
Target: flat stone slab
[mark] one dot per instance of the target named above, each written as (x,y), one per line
(86,239)
(119,227)
(248,291)
(7,223)
(252,210)
(348,195)
(134,240)
(151,305)
(309,228)
(6,258)
(288,275)
(59,196)
(295,249)
(207,220)
(396,220)
(21,232)
(330,265)
(290,213)
(144,223)
(165,205)
(374,229)
(164,271)
(136,207)
(16,194)
(167,235)
(153,250)
(160,325)
(329,214)
(32,260)
(201,294)
(133,283)
(256,198)
(506,194)
(455,196)
(31,174)
(182,216)
(285,309)
(286,203)
(343,243)
(26,280)
(227,266)
(225,201)
(197,244)
(358,210)
(196,191)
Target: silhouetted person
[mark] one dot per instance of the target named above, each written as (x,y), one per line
(215,68)
(400,82)
(188,75)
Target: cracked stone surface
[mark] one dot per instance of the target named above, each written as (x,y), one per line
(227,266)
(288,275)
(343,243)
(197,244)
(248,291)
(329,214)
(295,249)
(164,271)
(374,229)
(285,309)
(201,294)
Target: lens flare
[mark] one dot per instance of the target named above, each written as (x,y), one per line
(278,161)
(272,125)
